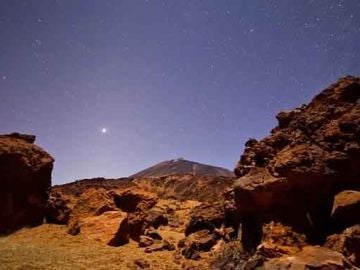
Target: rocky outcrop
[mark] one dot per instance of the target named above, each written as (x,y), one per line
(109,228)
(93,202)
(345,209)
(58,208)
(311,155)
(110,211)
(25,172)
(83,198)
(310,258)
(134,199)
(347,243)
(206,216)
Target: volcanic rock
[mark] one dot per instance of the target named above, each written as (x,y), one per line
(145,241)
(25,171)
(280,235)
(134,199)
(82,198)
(93,202)
(141,264)
(347,243)
(205,216)
(293,174)
(153,234)
(58,208)
(159,246)
(346,209)
(109,228)
(202,240)
(310,257)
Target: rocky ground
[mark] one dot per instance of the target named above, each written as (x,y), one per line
(294,203)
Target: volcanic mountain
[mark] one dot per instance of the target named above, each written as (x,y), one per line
(182,166)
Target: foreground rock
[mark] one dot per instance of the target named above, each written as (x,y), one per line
(347,243)
(25,172)
(310,258)
(110,211)
(293,174)
(346,209)
(83,198)
(109,228)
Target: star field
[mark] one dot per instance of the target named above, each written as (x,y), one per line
(111,87)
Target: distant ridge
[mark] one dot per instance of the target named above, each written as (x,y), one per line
(181,166)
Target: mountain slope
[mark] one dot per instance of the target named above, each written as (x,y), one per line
(181,166)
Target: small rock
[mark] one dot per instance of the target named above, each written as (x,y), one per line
(141,263)
(191,253)
(145,241)
(153,234)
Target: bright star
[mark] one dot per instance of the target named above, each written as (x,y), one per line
(104,130)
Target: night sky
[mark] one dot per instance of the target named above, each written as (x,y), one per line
(112,87)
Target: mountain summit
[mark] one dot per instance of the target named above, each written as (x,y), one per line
(181,166)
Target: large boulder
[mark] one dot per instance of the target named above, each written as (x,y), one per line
(134,199)
(205,216)
(87,197)
(109,228)
(58,208)
(92,202)
(311,155)
(25,172)
(346,209)
(347,243)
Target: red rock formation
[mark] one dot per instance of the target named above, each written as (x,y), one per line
(346,209)
(109,228)
(347,243)
(25,172)
(316,258)
(293,174)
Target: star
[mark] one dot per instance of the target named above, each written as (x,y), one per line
(104,130)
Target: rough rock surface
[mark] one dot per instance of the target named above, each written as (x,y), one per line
(109,228)
(310,257)
(25,172)
(311,155)
(346,209)
(187,186)
(118,202)
(134,199)
(85,197)
(92,202)
(205,216)
(347,243)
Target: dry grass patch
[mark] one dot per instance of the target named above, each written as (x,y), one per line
(50,247)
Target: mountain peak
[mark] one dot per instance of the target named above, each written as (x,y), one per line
(181,166)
